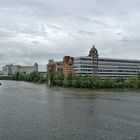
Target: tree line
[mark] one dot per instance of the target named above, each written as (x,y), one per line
(32,77)
(77,81)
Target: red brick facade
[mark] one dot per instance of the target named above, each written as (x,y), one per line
(54,66)
(68,63)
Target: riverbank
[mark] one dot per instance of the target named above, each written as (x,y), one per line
(73,81)
(57,79)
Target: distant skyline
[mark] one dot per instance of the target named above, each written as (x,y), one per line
(37,30)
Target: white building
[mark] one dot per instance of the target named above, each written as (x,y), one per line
(83,65)
(13,69)
(106,67)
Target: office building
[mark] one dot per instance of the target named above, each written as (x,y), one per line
(93,65)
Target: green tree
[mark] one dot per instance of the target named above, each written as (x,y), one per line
(58,78)
(67,82)
(76,81)
(96,82)
(132,82)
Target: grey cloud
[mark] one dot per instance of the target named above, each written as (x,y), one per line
(36,30)
(83,32)
(92,21)
(35,42)
(6,34)
(56,27)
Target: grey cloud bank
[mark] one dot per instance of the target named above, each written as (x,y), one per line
(36,30)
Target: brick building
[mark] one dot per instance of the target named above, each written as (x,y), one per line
(54,66)
(68,65)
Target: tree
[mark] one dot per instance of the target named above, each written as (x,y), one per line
(132,82)
(67,82)
(76,81)
(96,82)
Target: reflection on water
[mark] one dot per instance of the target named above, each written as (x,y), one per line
(35,112)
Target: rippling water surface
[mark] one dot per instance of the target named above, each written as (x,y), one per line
(35,112)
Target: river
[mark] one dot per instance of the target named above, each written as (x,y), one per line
(31,111)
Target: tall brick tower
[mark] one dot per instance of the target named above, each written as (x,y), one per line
(94,54)
(68,63)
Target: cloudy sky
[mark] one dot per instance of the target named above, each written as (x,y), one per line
(36,30)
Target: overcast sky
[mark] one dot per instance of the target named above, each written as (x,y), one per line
(36,30)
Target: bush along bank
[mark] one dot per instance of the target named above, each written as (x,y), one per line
(77,81)
(58,79)
(32,77)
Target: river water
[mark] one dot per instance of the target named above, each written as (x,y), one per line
(36,112)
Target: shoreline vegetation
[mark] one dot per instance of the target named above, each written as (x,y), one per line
(58,79)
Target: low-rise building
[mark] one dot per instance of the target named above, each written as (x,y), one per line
(13,69)
(54,66)
(42,74)
(65,66)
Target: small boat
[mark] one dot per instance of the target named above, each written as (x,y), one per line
(0,84)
